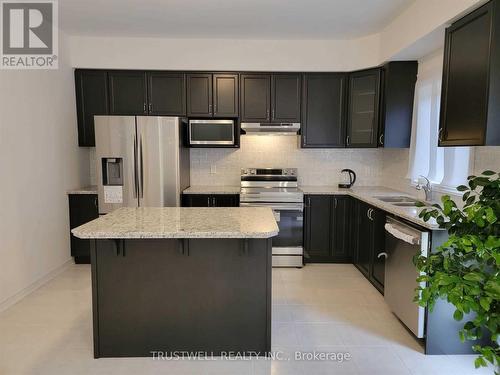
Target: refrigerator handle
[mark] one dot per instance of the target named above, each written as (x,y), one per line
(135,166)
(141,181)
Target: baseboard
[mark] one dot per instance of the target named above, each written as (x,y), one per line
(5,304)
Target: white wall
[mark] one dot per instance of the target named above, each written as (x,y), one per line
(224,54)
(39,161)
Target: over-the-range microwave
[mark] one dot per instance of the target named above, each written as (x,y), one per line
(211,132)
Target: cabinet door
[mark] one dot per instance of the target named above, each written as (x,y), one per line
(255,97)
(362,123)
(363,233)
(225,200)
(397,93)
(464,99)
(323,120)
(285,98)
(199,95)
(127,93)
(167,94)
(378,262)
(91,99)
(82,209)
(317,226)
(226,93)
(341,229)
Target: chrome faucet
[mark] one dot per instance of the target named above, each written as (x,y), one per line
(427,188)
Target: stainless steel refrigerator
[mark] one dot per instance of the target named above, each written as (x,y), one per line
(141,161)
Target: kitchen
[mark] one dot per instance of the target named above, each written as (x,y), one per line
(331,134)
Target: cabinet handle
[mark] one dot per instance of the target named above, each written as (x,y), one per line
(213,202)
(348,141)
(381,139)
(96,202)
(382,254)
(208,201)
(144,108)
(150,107)
(267,114)
(274,112)
(369,213)
(335,205)
(440,135)
(215,108)
(210,108)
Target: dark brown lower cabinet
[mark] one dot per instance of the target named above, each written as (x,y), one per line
(82,209)
(210,200)
(327,229)
(209,295)
(368,238)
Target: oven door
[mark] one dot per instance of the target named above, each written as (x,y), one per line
(211,132)
(290,219)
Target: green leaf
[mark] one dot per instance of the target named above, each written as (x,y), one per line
(474,276)
(458,315)
(488,173)
(462,188)
(485,303)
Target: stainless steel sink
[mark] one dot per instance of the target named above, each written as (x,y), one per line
(404,204)
(397,199)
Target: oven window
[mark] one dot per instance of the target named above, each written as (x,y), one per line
(290,224)
(212,132)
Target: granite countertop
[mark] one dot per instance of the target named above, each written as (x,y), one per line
(182,222)
(91,189)
(212,190)
(368,193)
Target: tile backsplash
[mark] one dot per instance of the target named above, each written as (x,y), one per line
(387,167)
(315,167)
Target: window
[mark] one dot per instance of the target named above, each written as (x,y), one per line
(445,167)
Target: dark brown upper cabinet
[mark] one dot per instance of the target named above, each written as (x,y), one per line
(255,97)
(225,95)
(285,97)
(166,93)
(323,110)
(470,114)
(212,95)
(199,95)
(270,97)
(127,93)
(363,108)
(397,92)
(91,99)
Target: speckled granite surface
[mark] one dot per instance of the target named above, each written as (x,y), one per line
(182,222)
(212,190)
(368,193)
(92,189)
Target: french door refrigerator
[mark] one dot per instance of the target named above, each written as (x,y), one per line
(141,161)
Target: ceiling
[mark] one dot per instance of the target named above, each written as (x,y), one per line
(229,19)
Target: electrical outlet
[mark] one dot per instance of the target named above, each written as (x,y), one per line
(213,169)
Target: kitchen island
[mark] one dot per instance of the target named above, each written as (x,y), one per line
(181,280)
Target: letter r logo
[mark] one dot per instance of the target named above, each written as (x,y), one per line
(27,27)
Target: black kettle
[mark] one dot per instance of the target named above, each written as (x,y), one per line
(348,178)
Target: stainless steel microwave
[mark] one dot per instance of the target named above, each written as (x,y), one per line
(211,132)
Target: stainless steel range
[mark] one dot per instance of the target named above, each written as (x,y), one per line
(277,188)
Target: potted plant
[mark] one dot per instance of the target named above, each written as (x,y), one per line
(465,269)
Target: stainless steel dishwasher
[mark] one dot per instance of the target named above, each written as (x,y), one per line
(402,243)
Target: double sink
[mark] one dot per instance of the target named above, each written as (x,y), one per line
(399,200)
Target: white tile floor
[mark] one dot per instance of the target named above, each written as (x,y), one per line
(323,308)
